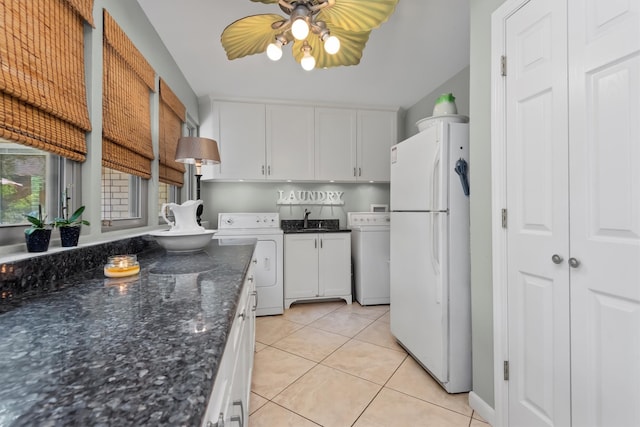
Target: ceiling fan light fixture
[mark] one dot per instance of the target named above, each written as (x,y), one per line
(300,29)
(308,62)
(274,50)
(331,45)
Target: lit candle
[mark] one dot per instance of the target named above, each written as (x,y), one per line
(121,266)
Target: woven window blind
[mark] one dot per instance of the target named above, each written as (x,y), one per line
(126,109)
(172,115)
(43,101)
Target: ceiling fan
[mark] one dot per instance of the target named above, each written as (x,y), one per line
(325,33)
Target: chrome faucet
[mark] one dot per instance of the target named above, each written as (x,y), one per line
(305,223)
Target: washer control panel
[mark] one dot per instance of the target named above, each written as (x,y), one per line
(248,220)
(362,219)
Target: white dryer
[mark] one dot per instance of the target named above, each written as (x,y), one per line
(370,256)
(268,255)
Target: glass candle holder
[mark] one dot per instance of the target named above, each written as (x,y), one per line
(122,266)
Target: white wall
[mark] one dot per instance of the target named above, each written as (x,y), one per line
(480,177)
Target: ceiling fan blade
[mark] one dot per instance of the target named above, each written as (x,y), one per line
(250,35)
(351,46)
(358,15)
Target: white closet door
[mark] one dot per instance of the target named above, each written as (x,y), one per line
(537,206)
(605,211)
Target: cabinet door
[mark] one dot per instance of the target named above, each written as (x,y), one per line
(334,264)
(241,140)
(301,266)
(335,144)
(604,152)
(377,132)
(289,140)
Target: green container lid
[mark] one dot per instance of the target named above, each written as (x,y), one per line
(447,97)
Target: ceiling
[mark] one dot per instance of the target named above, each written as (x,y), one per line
(422,45)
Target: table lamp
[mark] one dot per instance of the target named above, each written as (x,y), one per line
(198,151)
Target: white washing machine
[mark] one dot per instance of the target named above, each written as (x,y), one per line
(370,256)
(268,254)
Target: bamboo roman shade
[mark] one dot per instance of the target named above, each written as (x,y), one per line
(126,109)
(43,101)
(172,115)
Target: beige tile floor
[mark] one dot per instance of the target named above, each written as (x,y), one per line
(331,364)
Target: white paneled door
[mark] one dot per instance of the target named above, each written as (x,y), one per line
(604,144)
(537,206)
(572,197)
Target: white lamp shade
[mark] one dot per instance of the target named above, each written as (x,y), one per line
(274,51)
(332,45)
(300,29)
(192,149)
(308,62)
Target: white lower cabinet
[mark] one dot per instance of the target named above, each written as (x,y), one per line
(229,402)
(317,266)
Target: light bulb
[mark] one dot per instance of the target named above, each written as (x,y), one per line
(300,29)
(274,50)
(308,62)
(332,45)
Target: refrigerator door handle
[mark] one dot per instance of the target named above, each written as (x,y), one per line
(435,181)
(435,253)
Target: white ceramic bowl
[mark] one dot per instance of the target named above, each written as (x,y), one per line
(183,241)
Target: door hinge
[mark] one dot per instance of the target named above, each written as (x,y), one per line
(503,65)
(504,218)
(505,369)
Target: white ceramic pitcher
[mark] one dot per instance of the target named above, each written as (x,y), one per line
(184,214)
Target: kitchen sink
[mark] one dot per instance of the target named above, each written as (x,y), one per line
(312,230)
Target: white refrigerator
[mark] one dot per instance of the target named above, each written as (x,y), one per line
(429,258)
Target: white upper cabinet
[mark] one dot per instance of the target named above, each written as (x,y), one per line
(289,142)
(353,145)
(336,130)
(239,129)
(283,142)
(377,132)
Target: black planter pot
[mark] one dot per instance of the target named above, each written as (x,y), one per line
(69,236)
(38,241)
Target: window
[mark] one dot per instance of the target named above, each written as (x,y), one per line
(121,200)
(32,178)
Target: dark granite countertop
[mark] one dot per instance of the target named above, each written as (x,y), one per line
(135,351)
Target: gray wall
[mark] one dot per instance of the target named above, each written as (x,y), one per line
(480,177)
(262,196)
(458,85)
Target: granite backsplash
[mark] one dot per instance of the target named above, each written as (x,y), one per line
(31,277)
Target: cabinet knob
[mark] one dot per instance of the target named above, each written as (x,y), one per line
(574,263)
(557,259)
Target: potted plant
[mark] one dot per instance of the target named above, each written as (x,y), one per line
(38,235)
(69,225)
